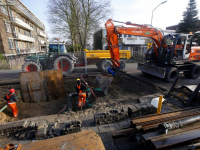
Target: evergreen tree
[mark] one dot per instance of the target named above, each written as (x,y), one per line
(190,22)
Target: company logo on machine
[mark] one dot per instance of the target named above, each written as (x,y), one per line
(110,24)
(147,32)
(137,31)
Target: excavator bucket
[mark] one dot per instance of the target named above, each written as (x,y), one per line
(153,70)
(104,82)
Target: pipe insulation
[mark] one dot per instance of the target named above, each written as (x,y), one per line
(179,124)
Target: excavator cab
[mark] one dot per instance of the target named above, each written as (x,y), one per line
(175,47)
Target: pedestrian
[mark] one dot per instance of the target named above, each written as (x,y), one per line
(11,99)
(81,89)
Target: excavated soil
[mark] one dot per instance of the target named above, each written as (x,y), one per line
(123,90)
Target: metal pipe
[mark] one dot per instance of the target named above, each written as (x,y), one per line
(179,124)
(69,101)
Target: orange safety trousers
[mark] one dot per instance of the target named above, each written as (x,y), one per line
(82,99)
(13,106)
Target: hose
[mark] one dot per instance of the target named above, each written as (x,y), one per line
(88,86)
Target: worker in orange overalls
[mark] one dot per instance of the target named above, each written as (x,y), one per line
(80,89)
(11,99)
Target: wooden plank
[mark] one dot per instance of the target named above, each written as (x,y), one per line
(176,138)
(36,91)
(26,77)
(49,85)
(55,84)
(82,140)
(30,92)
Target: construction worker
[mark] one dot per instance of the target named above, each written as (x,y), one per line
(11,99)
(80,89)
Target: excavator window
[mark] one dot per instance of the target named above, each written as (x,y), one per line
(166,47)
(178,51)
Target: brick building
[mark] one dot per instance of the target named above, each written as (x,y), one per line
(21,32)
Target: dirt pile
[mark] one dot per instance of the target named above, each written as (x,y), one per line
(123,90)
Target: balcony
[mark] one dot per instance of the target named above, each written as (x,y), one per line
(28,51)
(41,42)
(42,34)
(22,37)
(20,8)
(21,24)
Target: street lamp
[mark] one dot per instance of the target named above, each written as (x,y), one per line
(155,8)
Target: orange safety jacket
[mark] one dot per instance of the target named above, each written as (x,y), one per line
(11,98)
(80,88)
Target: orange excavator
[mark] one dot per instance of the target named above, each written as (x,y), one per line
(170,54)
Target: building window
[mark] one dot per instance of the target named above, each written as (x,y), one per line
(19,30)
(129,35)
(24,32)
(30,45)
(22,46)
(7,26)
(4,10)
(125,35)
(11,44)
(28,33)
(27,46)
(120,35)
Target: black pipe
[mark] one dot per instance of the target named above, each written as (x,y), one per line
(69,101)
(179,124)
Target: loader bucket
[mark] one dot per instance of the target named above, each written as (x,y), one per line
(153,70)
(104,82)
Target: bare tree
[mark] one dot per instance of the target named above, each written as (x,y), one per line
(76,19)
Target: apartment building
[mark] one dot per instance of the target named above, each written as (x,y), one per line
(21,32)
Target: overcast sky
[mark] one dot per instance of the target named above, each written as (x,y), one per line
(136,11)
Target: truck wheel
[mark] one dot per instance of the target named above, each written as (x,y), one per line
(171,74)
(122,64)
(195,72)
(30,66)
(105,64)
(63,63)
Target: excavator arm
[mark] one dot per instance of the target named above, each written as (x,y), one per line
(137,30)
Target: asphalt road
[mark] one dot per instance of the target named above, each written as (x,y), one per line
(131,68)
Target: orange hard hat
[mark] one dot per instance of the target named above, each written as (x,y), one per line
(12,90)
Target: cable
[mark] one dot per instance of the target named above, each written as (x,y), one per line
(88,86)
(62,110)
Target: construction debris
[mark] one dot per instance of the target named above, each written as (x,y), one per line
(128,111)
(188,95)
(39,129)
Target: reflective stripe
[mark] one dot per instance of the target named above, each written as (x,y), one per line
(11,103)
(79,86)
(8,96)
(81,93)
